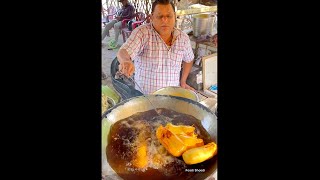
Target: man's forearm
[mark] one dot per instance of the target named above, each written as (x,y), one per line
(186,70)
(126,65)
(123,56)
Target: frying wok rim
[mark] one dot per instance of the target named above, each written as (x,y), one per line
(174,97)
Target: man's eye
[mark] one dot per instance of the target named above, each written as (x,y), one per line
(168,17)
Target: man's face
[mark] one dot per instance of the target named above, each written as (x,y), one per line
(163,19)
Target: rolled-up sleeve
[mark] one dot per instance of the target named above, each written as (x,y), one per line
(188,55)
(134,43)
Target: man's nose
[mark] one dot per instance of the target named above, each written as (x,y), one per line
(165,19)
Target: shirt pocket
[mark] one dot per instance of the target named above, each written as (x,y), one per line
(176,56)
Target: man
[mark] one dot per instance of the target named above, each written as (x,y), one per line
(127,12)
(158,49)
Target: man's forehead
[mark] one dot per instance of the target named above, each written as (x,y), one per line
(163,12)
(160,10)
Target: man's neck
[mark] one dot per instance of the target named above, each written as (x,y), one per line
(167,39)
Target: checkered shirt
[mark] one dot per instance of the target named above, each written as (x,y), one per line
(156,64)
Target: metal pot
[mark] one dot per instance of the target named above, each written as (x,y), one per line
(202,24)
(137,104)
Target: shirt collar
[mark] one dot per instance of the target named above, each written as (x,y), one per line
(175,32)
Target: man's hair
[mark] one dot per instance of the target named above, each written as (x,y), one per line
(163,2)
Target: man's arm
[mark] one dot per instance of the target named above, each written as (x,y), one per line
(185,72)
(129,50)
(126,64)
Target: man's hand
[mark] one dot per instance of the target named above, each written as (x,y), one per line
(127,68)
(186,86)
